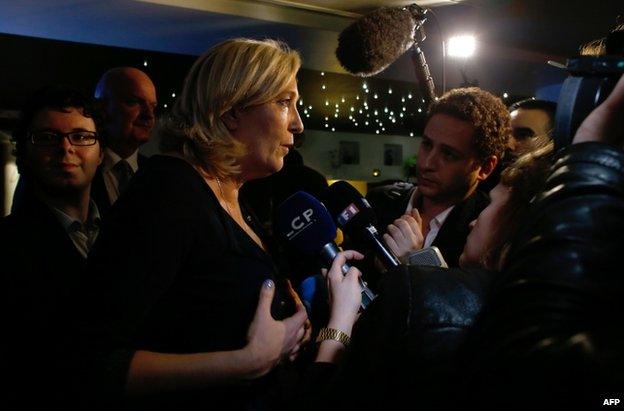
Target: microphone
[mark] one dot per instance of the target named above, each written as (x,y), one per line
(370,44)
(305,224)
(354,215)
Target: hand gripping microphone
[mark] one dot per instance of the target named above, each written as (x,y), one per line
(372,43)
(356,218)
(306,225)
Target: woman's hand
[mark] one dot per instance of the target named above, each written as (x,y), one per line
(606,123)
(405,235)
(345,294)
(345,297)
(269,340)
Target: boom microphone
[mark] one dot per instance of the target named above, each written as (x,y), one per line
(372,43)
(355,216)
(305,223)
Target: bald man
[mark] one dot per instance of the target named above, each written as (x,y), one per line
(128,99)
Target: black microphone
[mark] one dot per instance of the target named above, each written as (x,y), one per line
(356,218)
(372,43)
(305,224)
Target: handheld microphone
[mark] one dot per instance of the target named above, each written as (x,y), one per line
(355,216)
(372,43)
(305,224)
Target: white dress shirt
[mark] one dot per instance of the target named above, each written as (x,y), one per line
(434,224)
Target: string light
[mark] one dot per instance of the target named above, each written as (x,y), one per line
(323,86)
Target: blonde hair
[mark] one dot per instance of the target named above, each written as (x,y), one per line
(236,73)
(598,47)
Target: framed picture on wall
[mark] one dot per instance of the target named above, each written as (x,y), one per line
(349,152)
(393,154)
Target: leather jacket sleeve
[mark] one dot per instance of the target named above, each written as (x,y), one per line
(551,335)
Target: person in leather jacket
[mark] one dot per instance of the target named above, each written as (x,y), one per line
(550,336)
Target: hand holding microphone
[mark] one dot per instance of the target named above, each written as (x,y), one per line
(344,292)
(307,226)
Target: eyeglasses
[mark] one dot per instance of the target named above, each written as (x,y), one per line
(51,139)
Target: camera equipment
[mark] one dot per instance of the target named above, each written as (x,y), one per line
(591,81)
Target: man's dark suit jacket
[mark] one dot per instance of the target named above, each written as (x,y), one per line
(98,188)
(40,269)
(390,202)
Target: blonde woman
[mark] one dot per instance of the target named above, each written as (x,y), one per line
(186,307)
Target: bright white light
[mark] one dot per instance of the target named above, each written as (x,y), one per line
(461,46)
(505,95)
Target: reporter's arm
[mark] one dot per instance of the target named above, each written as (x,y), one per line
(345,298)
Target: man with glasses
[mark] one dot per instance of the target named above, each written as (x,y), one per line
(44,243)
(128,99)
